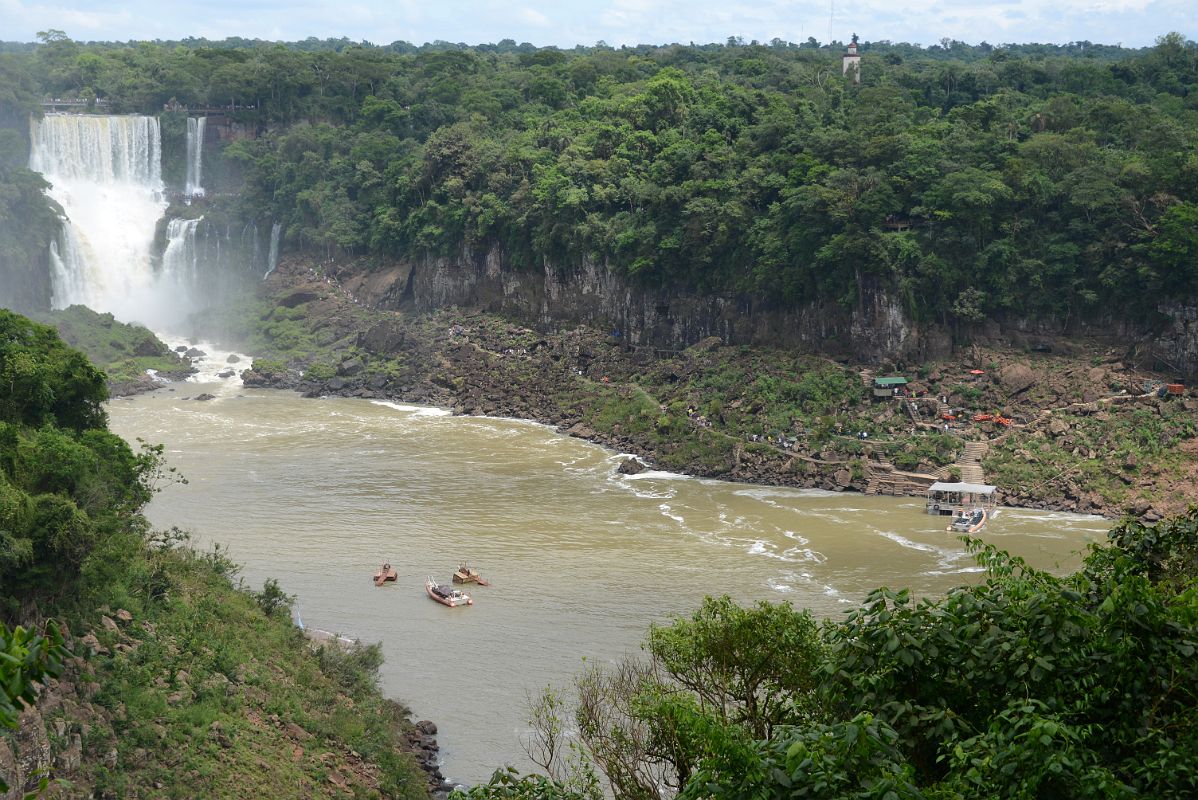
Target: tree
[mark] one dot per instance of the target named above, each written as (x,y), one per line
(757,667)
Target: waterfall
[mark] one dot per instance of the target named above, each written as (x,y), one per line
(195,156)
(180,260)
(106,174)
(272,260)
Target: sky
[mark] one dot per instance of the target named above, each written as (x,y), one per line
(565,23)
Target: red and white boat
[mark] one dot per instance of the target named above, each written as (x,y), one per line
(446,595)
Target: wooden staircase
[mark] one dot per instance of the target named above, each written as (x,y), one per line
(971,462)
(883,478)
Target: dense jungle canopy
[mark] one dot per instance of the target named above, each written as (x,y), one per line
(970,181)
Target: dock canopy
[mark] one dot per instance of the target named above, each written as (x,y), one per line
(971,488)
(943,496)
(891,386)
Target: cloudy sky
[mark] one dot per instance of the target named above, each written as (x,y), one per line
(1133,23)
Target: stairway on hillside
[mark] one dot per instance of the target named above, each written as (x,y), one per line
(970,462)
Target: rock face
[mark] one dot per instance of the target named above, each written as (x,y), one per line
(658,317)
(876,329)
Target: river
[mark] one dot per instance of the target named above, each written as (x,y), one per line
(317,493)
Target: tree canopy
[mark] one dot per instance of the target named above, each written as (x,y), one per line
(968,181)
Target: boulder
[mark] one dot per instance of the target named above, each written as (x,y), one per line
(195,352)
(843,478)
(228,373)
(205,396)
(296,732)
(181,348)
(386,338)
(149,347)
(233,359)
(351,367)
(630,466)
(427,727)
(92,643)
(581,431)
(1058,427)
(1016,378)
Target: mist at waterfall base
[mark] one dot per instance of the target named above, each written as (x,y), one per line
(117,252)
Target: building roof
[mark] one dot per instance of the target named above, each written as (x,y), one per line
(892,381)
(975,488)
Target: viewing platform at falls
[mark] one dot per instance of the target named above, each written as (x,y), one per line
(73,103)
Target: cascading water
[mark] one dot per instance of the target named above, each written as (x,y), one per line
(180,261)
(106,174)
(272,260)
(195,156)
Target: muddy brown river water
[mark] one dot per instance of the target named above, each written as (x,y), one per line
(318,493)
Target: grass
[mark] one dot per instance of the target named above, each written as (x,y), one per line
(1127,443)
(211,697)
(124,352)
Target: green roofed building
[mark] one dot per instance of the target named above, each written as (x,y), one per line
(884,387)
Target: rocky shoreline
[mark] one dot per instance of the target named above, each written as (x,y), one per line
(476,364)
(421,736)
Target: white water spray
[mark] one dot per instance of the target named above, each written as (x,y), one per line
(106,174)
(272,259)
(195,156)
(180,260)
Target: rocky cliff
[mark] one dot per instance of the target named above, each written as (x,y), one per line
(876,329)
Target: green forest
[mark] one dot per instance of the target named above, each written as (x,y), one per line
(970,182)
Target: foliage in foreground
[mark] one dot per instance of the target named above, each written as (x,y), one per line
(1027,685)
(222,692)
(205,690)
(25,658)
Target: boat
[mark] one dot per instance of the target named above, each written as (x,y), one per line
(385,573)
(446,595)
(465,574)
(969,521)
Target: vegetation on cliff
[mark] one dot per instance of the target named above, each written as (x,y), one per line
(123,352)
(968,182)
(28,223)
(1024,686)
(191,686)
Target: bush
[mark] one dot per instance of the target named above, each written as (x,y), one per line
(272,599)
